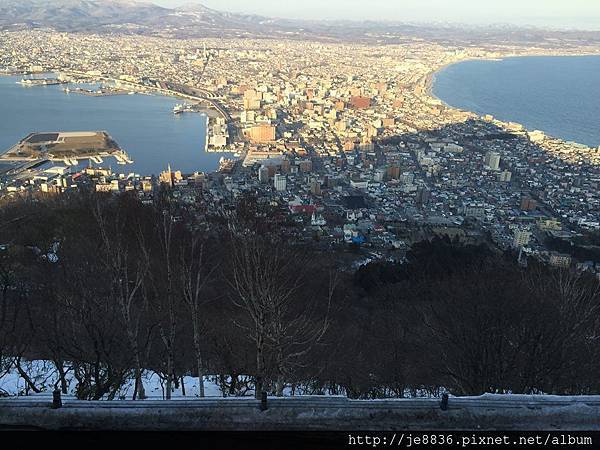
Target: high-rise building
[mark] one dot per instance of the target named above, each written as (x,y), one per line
(379,175)
(263,174)
(505,176)
(407,178)
(492,160)
(251,99)
(521,237)
(315,187)
(528,204)
(280,182)
(393,172)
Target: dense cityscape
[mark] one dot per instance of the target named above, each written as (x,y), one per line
(346,138)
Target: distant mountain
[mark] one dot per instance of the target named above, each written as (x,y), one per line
(197,21)
(72,15)
(131,16)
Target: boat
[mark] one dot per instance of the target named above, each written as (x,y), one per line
(39,81)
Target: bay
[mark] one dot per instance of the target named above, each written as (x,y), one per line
(558,95)
(143,125)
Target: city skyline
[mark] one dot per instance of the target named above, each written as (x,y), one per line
(548,13)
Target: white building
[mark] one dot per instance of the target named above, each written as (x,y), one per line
(492,160)
(280,183)
(263,174)
(521,238)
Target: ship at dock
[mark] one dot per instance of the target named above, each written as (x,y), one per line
(40,81)
(179,108)
(100,92)
(187,107)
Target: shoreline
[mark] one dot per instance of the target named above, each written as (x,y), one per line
(430,78)
(139,90)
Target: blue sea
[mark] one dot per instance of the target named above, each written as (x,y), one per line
(559,95)
(143,125)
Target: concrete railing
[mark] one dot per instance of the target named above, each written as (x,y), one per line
(305,413)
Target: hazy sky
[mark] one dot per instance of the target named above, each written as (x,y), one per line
(556,13)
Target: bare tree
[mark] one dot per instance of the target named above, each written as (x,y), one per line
(194,276)
(95,341)
(266,279)
(7,282)
(297,324)
(569,313)
(127,267)
(163,289)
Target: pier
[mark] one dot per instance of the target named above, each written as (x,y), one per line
(66,147)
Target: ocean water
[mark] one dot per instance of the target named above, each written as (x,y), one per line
(143,125)
(559,95)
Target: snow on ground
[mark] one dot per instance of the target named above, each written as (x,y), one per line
(155,388)
(45,377)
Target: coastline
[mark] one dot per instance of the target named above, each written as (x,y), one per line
(204,164)
(140,89)
(430,79)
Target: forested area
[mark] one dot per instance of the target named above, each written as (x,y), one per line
(108,289)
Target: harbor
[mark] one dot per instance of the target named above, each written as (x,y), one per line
(143,125)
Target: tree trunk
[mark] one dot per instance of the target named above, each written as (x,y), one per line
(279,386)
(280,381)
(200,376)
(169,375)
(139,391)
(63,377)
(259,366)
(233,385)
(199,363)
